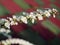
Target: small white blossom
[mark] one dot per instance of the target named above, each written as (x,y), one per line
(30,16)
(8,42)
(10,19)
(47,14)
(4,43)
(31,13)
(3,19)
(2,30)
(7,24)
(16,41)
(54,10)
(40,11)
(13,23)
(24,19)
(16,23)
(40,17)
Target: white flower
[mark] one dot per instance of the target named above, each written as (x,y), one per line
(13,23)
(30,16)
(10,19)
(47,14)
(8,31)
(40,17)
(8,42)
(24,19)
(4,43)
(2,30)
(54,10)
(16,23)
(7,24)
(40,11)
(16,41)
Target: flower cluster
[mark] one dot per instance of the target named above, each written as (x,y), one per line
(37,15)
(15,41)
(26,18)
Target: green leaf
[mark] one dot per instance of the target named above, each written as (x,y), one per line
(22,4)
(3,10)
(51,27)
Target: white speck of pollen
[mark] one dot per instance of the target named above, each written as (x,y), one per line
(7,24)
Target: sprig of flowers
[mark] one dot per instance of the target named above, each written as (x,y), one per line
(27,18)
(15,41)
(38,14)
(32,16)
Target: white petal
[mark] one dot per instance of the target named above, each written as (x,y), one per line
(10,19)
(54,16)
(40,17)
(14,17)
(31,13)
(12,23)
(33,20)
(16,23)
